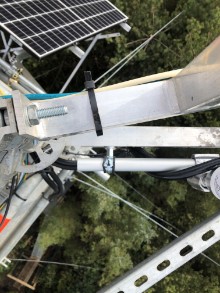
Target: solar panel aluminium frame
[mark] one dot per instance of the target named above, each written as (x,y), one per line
(22,43)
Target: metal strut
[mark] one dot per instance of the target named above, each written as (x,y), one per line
(170,258)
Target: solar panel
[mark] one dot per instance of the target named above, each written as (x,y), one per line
(45,26)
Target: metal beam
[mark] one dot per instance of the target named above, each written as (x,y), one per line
(198,84)
(170,258)
(190,137)
(28,212)
(118,107)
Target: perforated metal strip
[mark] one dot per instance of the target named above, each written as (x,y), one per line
(170,258)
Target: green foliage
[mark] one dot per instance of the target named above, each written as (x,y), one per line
(193,280)
(98,231)
(59,226)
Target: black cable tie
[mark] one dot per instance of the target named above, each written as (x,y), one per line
(90,86)
(18,196)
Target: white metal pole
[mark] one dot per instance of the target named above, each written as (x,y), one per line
(135,165)
(24,81)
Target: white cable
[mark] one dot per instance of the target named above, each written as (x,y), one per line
(123,65)
(135,51)
(130,186)
(136,208)
(144,197)
(52,262)
(121,199)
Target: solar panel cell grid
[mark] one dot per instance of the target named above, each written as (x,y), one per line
(46,26)
(92,9)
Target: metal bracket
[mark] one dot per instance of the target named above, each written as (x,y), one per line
(169,259)
(109,161)
(77,51)
(125,26)
(203,182)
(5,262)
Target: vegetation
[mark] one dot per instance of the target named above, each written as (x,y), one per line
(91,228)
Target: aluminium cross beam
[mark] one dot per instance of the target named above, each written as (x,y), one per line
(148,136)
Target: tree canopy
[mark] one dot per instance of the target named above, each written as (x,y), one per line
(91,228)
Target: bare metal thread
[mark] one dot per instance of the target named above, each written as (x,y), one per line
(52,112)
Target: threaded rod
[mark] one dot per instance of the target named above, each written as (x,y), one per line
(52,112)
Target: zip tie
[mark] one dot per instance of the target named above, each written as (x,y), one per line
(90,86)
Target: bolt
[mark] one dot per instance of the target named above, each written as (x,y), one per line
(35,115)
(110,151)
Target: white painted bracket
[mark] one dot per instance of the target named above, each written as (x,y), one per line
(5,262)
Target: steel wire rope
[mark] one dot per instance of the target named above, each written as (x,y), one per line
(144,197)
(134,52)
(134,189)
(53,262)
(114,195)
(109,192)
(121,199)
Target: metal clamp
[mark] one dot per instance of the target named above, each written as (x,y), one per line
(208,181)
(5,262)
(109,161)
(90,86)
(15,77)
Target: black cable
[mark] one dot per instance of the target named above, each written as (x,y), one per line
(180,174)
(169,175)
(12,190)
(87,155)
(189,172)
(139,152)
(18,196)
(53,180)
(49,181)
(66,164)
(57,181)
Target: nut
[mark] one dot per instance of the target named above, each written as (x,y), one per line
(32,115)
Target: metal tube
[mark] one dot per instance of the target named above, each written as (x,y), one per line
(14,85)
(19,87)
(24,81)
(3,77)
(29,211)
(23,227)
(21,222)
(135,165)
(80,63)
(24,191)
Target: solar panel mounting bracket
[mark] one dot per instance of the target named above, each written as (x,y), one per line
(84,56)
(125,26)
(77,51)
